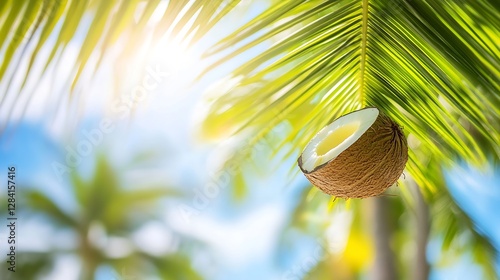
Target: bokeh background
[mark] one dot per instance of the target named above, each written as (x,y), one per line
(135,169)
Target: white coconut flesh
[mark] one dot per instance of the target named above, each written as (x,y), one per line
(337,137)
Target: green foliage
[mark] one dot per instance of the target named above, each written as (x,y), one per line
(33,22)
(119,210)
(337,57)
(30,265)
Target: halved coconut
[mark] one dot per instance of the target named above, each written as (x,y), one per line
(359,155)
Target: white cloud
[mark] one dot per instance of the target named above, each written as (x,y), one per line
(249,238)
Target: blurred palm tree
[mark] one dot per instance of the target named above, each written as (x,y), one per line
(433,66)
(105,210)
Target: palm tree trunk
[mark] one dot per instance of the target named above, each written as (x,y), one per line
(89,261)
(421,266)
(384,266)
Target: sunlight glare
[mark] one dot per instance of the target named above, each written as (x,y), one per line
(173,55)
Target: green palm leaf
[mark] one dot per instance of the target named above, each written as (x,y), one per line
(41,203)
(95,26)
(405,58)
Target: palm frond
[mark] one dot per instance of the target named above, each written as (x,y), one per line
(411,59)
(41,203)
(30,26)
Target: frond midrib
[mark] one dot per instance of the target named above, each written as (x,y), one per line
(364,38)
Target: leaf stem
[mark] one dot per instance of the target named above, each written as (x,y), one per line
(364,35)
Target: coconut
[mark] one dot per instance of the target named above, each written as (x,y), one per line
(358,155)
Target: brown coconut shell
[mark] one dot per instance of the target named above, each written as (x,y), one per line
(366,168)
